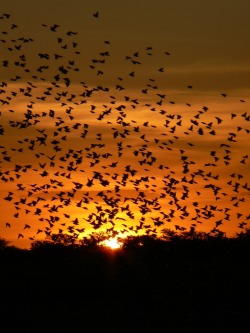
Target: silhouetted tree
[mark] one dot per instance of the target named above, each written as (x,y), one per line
(169,234)
(93,240)
(3,243)
(55,239)
(244,234)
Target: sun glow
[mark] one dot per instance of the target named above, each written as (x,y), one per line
(112,243)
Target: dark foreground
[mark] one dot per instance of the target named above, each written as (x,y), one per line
(185,286)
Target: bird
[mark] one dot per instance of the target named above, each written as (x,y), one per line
(54,27)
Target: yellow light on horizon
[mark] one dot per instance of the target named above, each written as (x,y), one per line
(112,243)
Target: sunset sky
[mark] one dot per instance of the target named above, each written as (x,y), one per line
(126,116)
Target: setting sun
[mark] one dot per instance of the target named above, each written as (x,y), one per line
(112,243)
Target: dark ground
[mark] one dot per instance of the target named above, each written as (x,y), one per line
(186,286)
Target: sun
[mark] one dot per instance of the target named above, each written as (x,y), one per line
(112,243)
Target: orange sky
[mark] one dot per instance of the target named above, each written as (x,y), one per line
(126,126)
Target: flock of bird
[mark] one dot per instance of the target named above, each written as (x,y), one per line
(83,152)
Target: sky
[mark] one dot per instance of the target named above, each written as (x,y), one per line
(129,121)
